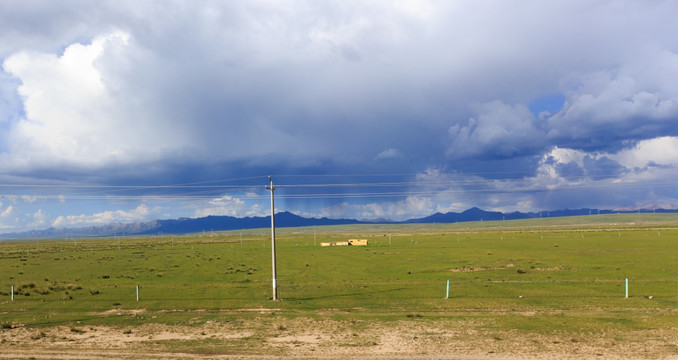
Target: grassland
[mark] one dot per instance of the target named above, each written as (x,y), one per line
(536,288)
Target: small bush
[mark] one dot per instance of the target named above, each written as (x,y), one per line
(38,336)
(77,331)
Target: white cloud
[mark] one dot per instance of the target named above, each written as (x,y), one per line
(659,151)
(38,219)
(639,176)
(566,156)
(230,206)
(140,213)
(390,153)
(627,102)
(8,211)
(71,116)
(495,130)
(25,199)
(411,206)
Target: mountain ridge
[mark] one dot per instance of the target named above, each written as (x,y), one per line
(287,219)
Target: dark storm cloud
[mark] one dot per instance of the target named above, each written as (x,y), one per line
(312,81)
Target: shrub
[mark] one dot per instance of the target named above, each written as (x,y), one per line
(38,336)
(77,331)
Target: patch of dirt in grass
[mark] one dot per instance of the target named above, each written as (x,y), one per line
(123,312)
(235,311)
(507,266)
(269,336)
(481,268)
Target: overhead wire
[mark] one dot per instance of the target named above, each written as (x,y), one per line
(216,188)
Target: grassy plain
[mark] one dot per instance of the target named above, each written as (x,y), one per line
(517,288)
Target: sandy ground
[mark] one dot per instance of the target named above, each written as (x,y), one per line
(303,338)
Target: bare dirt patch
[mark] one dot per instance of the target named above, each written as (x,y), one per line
(481,268)
(507,266)
(328,339)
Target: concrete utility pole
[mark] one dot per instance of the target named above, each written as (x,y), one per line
(272,188)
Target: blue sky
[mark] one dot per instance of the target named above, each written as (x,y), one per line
(122,111)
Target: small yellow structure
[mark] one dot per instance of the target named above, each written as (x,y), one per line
(334,243)
(355,242)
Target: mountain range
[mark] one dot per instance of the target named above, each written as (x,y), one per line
(285,219)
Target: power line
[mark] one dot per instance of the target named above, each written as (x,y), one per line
(217,188)
(209,195)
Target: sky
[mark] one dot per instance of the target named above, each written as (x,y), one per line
(125,111)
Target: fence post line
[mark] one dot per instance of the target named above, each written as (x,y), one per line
(12,292)
(447,293)
(137,292)
(627,288)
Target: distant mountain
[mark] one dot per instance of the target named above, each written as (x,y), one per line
(472,214)
(287,219)
(180,226)
(222,223)
(475,214)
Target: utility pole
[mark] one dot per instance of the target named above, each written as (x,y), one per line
(272,188)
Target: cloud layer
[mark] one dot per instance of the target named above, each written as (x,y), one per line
(181,92)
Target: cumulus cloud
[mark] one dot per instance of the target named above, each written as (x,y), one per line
(139,213)
(393,210)
(661,151)
(605,109)
(575,178)
(230,206)
(573,164)
(71,116)
(496,130)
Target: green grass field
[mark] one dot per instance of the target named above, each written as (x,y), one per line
(569,271)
